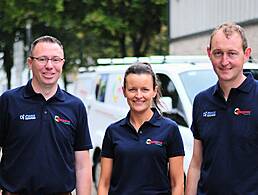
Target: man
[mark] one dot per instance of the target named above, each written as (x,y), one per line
(225,122)
(44,131)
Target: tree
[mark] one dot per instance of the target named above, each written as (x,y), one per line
(127,25)
(14,15)
(89,29)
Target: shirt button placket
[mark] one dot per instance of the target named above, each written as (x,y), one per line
(45,112)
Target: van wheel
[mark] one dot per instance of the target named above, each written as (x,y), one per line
(97,168)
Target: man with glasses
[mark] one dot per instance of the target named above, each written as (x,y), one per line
(44,132)
(225,122)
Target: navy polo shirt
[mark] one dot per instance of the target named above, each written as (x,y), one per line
(38,139)
(140,159)
(228,131)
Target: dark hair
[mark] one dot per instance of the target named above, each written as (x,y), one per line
(145,68)
(45,38)
(228,29)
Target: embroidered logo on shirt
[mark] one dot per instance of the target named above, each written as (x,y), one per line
(27,117)
(60,120)
(159,143)
(209,114)
(237,112)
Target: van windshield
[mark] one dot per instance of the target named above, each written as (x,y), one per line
(195,81)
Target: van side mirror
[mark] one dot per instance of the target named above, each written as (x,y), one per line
(166,104)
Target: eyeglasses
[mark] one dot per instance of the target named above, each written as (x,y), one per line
(43,60)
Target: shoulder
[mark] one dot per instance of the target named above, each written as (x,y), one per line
(13,93)
(167,125)
(167,121)
(70,98)
(207,92)
(117,124)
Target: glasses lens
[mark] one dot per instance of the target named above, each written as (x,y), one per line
(56,60)
(42,60)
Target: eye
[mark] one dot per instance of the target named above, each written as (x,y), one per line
(232,54)
(145,89)
(42,59)
(217,53)
(132,90)
(56,59)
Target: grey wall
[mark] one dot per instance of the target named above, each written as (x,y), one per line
(198,43)
(191,22)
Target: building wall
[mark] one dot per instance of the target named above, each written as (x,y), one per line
(197,44)
(187,17)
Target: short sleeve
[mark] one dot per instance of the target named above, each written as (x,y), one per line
(194,128)
(175,146)
(107,145)
(3,119)
(82,140)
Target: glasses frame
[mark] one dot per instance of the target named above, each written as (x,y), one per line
(47,59)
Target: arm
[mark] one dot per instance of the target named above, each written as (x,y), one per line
(83,172)
(176,175)
(193,174)
(105,175)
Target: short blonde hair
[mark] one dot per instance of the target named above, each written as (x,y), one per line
(228,29)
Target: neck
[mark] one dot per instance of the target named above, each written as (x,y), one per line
(137,119)
(226,86)
(46,90)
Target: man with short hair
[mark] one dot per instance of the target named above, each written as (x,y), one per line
(225,122)
(44,131)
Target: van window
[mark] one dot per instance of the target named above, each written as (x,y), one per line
(114,94)
(168,90)
(101,87)
(253,71)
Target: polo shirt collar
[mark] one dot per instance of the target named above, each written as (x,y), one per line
(155,119)
(29,92)
(245,87)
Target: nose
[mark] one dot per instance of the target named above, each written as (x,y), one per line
(49,64)
(225,59)
(139,93)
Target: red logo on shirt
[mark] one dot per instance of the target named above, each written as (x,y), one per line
(237,112)
(159,143)
(60,120)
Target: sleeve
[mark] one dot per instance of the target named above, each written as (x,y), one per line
(3,120)
(175,146)
(82,140)
(107,145)
(194,128)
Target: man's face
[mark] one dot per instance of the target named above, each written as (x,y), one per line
(46,72)
(227,56)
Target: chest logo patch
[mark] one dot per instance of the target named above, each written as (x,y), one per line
(60,120)
(238,112)
(208,114)
(27,117)
(158,143)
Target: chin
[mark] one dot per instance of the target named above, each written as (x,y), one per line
(50,82)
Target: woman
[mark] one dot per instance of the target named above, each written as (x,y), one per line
(137,150)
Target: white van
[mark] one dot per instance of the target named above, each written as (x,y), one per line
(181,78)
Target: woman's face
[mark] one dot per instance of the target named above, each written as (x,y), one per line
(139,92)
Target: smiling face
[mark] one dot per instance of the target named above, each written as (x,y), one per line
(46,75)
(227,57)
(139,92)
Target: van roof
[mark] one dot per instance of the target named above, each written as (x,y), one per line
(166,67)
(154,59)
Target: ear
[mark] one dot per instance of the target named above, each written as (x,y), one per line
(247,54)
(124,91)
(155,91)
(209,51)
(29,62)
